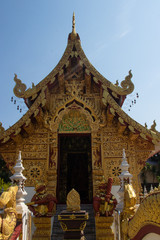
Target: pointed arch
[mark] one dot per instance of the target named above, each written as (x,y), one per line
(87,116)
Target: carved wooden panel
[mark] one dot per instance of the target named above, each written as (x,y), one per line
(136,153)
(35,170)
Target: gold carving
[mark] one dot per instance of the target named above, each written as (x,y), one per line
(147,213)
(52,156)
(87,112)
(127,84)
(43,228)
(129,200)
(63,226)
(34,171)
(74,121)
(97,161)
(103,228)
(35,148)
(128,210)
(112,111)
(73,201)
(153,127)
(20,87)
(31,155)
(8,221)
(82,226)
(1,128)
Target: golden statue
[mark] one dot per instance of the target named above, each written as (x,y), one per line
(129,200)
(104,202)
(9,218)
(128,210)
(42,203)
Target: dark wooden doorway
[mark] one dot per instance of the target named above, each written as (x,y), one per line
(75,167)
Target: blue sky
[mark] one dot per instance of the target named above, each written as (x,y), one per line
(116,36)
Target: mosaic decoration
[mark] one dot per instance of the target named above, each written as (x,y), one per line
(74,121)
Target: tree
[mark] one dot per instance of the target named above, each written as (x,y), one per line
(150,171)
(145,170)
(5,173)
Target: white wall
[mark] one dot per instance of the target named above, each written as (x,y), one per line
(30,192)
(114,191)
(152,236)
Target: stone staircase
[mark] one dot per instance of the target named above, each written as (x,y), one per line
(89,232)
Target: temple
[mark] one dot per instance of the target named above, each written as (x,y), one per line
(78,147)
(75,130)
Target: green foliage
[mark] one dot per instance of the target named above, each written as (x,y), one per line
(158,178)
(4,186)
(147,166)
(4,171)
(5,174)
(153,169)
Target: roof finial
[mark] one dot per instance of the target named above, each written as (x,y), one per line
(73,24)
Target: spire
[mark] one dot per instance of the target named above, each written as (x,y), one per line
(73,35)
(19,179)
(73,24)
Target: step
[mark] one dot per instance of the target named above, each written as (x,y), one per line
(89,232)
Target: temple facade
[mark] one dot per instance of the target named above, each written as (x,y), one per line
(75,130)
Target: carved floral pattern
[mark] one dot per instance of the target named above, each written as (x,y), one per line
(116,171)
(74,121)
(34,171)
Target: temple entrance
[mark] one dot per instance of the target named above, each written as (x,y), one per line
(75,166)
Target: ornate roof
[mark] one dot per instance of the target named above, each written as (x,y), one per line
(112,96)
(74,49)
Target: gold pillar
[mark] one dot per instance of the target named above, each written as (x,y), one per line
(103,228)
(43,228)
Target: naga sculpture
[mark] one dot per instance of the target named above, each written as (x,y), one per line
(104,202)
(128,210)
(137,223)
(42,203)
(9,218)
